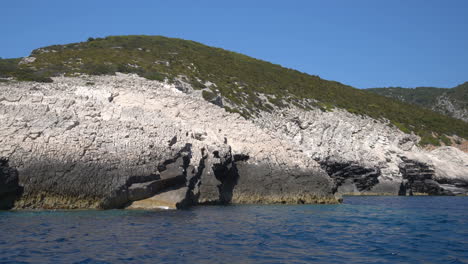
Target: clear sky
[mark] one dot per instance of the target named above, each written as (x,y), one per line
(363,43)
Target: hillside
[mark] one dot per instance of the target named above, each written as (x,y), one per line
(452,102)
(237,82)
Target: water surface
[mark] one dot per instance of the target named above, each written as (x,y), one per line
(362,230)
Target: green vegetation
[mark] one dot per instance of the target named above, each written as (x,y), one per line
(402,127)
(445,140)
(238,78)
(10,68)
(423,96)
(208,96)
(427,96)
(427,139)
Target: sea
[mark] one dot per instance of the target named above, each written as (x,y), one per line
(364,229)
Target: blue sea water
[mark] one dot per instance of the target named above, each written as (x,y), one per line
(361,230)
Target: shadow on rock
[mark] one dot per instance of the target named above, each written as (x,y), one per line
(9,185)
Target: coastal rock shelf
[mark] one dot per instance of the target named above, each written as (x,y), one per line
(126,142)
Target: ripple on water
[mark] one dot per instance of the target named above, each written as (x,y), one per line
(362,230)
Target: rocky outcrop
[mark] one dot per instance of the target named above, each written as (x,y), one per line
(123,141)
(451,107)
(419,179)
(220,178)
(351,178)
(450,169)
(366,156)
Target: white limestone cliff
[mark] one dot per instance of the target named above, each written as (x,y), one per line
(118,141)
(86,145)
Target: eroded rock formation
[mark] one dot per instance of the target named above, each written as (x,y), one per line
(119,141)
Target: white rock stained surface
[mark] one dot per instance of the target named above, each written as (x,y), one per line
(124,141)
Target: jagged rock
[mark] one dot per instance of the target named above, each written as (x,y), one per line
(351,178)
(218,172)
(182,84)
(419,179)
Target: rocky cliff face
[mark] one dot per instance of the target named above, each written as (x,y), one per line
(124,141)
(366,156)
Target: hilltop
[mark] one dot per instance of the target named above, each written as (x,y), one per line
(238,83)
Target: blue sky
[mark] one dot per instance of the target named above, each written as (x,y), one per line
(363,43)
